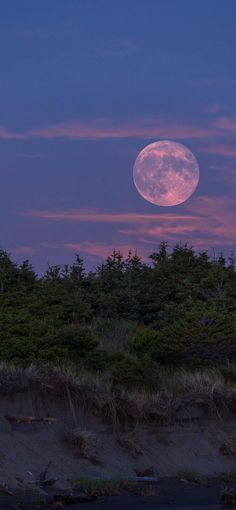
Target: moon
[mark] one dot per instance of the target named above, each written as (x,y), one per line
(166,173)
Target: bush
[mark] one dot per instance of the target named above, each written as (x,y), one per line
(198,337)
(135,373)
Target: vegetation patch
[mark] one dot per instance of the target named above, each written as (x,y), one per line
(82,443)
(191,475)
(125,319)
(179,390)
(103,487)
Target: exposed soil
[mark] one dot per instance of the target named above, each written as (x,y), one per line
(198,439)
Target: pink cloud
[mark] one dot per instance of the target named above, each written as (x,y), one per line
(107,129)
(212,223)
(226,123)
(103,250)
(202,221)
(219,148)
(24,250)
(104,128)
(5,134)
(100,129)
(95,216)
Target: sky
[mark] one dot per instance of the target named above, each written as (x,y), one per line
(85,85)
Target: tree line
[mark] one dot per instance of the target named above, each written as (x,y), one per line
(177,310)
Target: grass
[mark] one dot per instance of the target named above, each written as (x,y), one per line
(179,390)
(103,487)
(191,475)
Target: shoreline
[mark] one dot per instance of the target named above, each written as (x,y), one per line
(171,493)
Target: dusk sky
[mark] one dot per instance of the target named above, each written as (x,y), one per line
(85,85)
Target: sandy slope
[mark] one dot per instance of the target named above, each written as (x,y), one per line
(196,440)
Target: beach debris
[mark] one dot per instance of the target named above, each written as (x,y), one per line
(43,480)
(30,419)
(19,479)
(148,479)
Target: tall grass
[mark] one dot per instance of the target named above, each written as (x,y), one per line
(178,390)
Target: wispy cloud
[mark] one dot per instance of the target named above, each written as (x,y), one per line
(6,134)
(110,129)
(24,250)
(205,221)
(102,250)
(95,216)
(227,124)
(220,149)
(214,136)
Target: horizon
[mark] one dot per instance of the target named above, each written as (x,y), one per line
(229,260)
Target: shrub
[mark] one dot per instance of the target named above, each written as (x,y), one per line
(190,475)
(82,443)
(135,373)
(201,336)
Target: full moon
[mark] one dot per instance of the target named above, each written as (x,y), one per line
(166,173)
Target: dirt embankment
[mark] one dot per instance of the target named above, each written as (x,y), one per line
(83,431)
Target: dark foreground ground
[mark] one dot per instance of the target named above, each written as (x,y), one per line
(166,494)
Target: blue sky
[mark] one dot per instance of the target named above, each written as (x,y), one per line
(84,86)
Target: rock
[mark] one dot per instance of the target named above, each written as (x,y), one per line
(48,482)
(62,484)
(145,472)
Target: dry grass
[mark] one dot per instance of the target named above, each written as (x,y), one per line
(15,379)
(82,443)
(180,390)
